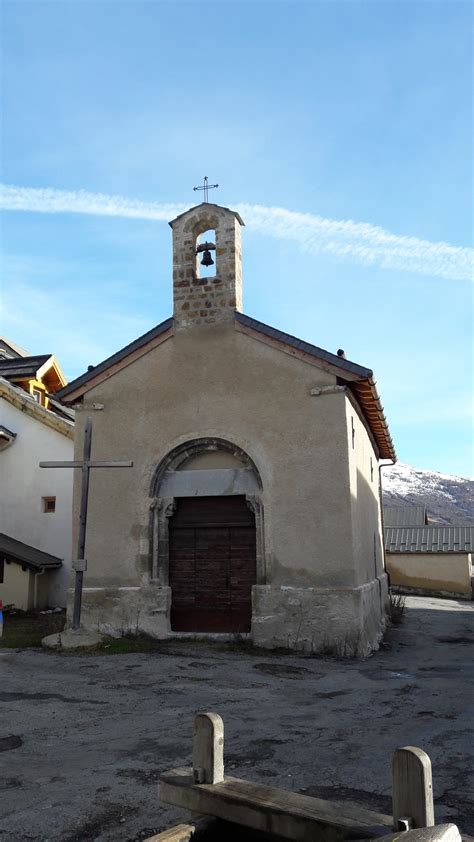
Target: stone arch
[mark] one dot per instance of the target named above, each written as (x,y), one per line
(164,494)
(180,454)
(196,225)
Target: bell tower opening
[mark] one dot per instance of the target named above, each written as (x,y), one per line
(206,255)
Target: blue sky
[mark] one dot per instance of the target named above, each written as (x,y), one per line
(332,111)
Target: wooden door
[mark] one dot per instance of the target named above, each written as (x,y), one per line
(212,564)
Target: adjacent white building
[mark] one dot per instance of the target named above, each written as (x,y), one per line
(36,503)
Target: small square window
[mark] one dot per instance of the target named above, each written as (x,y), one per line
(49,504)
(38,396)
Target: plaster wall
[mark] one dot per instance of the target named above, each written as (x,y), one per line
(366,518)
(218,382)
(449,573)
(17,587)
(23,484)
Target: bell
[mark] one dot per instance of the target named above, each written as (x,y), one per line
(207,259)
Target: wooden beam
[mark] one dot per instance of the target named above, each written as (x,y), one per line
(178,833)
(271,810)
(89,464)
(412,787)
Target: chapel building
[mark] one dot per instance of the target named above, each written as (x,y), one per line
(253,505)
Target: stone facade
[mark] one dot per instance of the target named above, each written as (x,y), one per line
(220,409)
(214,299)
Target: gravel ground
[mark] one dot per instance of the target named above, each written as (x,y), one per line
(83,738)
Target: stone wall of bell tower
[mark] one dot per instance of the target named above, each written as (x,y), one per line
(212,299)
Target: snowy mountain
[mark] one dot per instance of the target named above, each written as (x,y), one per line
(447,499)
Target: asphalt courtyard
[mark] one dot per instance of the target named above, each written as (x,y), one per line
(83,738)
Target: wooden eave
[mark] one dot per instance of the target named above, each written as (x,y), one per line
(51,375)
(371,405)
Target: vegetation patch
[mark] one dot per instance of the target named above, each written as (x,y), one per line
(396,608)
(23,630)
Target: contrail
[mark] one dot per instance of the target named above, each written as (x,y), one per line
(359,241)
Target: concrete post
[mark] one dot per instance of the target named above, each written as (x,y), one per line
(412,789)
(208,749)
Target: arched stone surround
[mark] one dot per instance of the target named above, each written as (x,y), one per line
(168,478)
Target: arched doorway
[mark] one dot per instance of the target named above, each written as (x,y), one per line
(206,535)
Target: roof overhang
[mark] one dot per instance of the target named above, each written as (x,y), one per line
(13,550)
(23,401)
(51,371)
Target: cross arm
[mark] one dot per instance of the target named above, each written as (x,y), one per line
(86,464)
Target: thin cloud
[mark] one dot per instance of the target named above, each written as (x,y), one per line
(358,241)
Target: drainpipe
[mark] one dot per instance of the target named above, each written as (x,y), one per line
(35,597)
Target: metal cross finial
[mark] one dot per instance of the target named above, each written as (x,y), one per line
(206,187)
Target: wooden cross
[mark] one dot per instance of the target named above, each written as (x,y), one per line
(206,187)
(80,564)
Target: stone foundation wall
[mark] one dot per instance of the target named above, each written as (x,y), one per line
(118,611)
(347,622)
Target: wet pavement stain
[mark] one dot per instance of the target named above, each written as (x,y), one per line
(454,639)
(332,695)
(10,742)
(282,670)
(384,675)
(145,777)
(44,697)
(92,828)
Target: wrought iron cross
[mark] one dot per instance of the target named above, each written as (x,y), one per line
(206,187)
(79,563)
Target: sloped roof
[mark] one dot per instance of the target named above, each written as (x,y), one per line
(31,557)
(23,366)
(206,205)
(358,378)
(405,516)
(429,539)
(306,347)
(61,410)
(12,347)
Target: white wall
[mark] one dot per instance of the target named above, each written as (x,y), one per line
(23,484)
